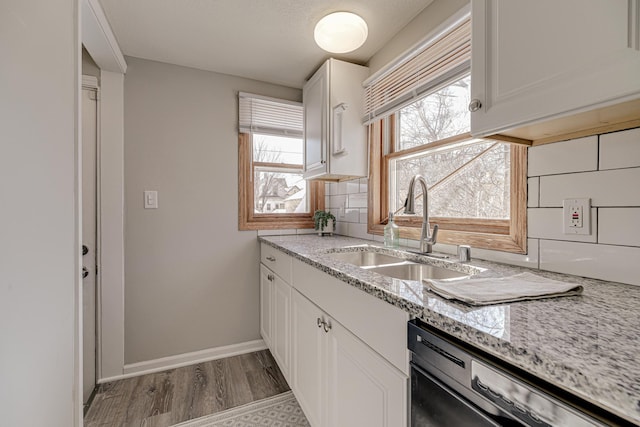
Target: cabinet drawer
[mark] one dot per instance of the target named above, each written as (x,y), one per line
(277,261)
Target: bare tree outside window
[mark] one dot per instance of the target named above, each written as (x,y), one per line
(278,185)
(470,179)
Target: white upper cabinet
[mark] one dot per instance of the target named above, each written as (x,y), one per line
(533,61)
(335,138)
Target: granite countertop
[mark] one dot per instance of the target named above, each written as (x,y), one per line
(588,345)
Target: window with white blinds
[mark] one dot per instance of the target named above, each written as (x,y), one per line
(436,62)
(261,114)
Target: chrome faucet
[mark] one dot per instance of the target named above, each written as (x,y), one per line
(427,240)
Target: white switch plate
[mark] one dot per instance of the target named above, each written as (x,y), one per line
(576,216)
(151,200)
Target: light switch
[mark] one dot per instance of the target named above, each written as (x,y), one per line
(576,216)
(151,200)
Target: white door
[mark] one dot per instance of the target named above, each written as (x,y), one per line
(89,173)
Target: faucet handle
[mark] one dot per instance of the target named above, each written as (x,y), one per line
(434,235)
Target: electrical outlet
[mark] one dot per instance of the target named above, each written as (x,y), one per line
(576,216)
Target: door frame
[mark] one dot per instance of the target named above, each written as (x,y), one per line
(99,40)
(91,83)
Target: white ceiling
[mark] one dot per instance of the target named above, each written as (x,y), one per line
(268,40)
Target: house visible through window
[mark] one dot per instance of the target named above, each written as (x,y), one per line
(273,193)
(477,187)
(278,185)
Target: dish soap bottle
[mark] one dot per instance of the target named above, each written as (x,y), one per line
(391,233)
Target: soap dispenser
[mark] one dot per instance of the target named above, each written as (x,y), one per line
(391,233)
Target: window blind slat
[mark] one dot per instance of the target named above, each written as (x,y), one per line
(421,73)
(269,115)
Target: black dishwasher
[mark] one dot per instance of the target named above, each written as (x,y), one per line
(452,386)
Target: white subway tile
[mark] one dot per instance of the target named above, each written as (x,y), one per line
(605,188)
(288,231)
(533,192)
(327,202)
(620,149)
(546,223)
(342,187)
(576,155)
(342,228)
(336,202)
(352,215)
(268,232)
(530,259)
(353,186)
(363,216)
(357,200)
(414,244)
(619,226)
(446,248)
(364,185)
(359,231)
(607,262)
(378,238)
(328,189)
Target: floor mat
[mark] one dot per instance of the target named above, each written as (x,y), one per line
(281,410)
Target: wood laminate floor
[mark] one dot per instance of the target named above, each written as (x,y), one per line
(169,397)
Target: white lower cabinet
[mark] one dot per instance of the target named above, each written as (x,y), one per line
(308,362)
(281,325)
(338,379)
(275,317)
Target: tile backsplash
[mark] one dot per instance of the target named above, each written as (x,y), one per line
(605,168)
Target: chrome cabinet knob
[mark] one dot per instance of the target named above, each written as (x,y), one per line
(320,322)
(475,105)
(85,272)
(270,258)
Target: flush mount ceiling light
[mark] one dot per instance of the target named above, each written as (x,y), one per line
(341,32)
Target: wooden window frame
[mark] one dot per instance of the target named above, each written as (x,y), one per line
(501,235)
(247,218)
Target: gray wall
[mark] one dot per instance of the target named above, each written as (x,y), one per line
(191,278)
(432,16)
(39,246)
(89,67)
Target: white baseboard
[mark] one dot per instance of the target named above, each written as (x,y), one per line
(185,359)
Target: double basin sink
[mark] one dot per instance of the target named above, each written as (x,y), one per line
(396,267)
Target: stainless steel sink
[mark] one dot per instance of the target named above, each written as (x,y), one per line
(365,258)
(396,267)
(414,271)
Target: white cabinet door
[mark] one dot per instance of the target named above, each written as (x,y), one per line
(315,121)
(335,138)
(266,287)
(363,388)
(308,361)
(536,60)
(281,325)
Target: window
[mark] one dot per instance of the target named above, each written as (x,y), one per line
(273,193)
(477,187)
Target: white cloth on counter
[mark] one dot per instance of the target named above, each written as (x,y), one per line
(524,286)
